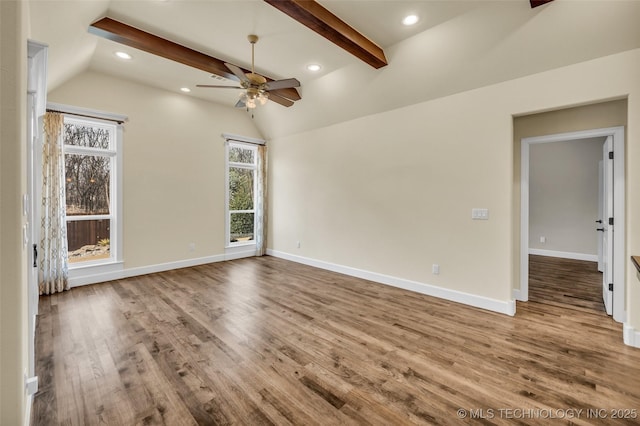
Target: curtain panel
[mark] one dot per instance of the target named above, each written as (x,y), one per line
(53,272)
(261,202)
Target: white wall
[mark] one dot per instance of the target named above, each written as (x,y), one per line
(392,193)
(13,259)
(563,196)
(173,165)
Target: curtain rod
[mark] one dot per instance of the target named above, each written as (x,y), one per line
(243,139)
(84,115)
(85,112)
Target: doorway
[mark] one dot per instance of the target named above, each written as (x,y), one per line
(613,287)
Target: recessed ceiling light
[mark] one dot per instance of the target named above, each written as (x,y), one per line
(313,67)
(410,19)
(123,55)
(185,89)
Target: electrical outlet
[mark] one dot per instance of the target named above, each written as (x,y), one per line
(435,269)
(192,246)
(298,244)
(543,239)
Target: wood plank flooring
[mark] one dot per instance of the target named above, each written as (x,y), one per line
(566,283)
(264,341)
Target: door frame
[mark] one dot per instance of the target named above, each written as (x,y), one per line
(36,107)
(619,273)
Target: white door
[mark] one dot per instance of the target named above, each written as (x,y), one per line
(600,220)
(607,226)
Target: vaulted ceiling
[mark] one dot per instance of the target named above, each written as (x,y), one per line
(455,46)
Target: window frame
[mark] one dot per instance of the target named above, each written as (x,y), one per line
(249,166)
(114,154)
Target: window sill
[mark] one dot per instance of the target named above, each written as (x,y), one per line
(240,244)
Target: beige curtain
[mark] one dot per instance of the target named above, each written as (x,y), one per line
(53,270)
(261,202)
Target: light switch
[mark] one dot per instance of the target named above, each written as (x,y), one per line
(480,214)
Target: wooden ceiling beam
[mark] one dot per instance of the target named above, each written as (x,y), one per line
(130,36)
(314,16)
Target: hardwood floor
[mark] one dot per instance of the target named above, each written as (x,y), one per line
(566,283)
(265,341)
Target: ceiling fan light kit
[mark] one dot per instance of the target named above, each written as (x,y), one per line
(252,98)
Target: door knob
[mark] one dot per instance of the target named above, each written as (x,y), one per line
(600,229)
(598,221)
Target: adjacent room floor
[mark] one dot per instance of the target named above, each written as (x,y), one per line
(566,283)
(265,341)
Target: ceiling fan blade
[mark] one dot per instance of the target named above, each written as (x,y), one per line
(240,104)
(282,84)
(218,86)
(291,93)
(280,100)
(237,71)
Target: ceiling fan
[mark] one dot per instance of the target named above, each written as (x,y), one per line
(257,91)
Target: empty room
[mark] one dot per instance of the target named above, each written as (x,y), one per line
(319,212)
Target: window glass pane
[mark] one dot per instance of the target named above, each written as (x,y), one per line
(86,136)
(88,184)
(241,227)
(240,188)
(88,240)
(238,154)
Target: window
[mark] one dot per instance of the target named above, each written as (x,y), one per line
(242,164)
(91,190)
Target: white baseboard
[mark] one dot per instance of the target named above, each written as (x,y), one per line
(516,294)
(564,254)
(143,270)
(631,336)
(503,307)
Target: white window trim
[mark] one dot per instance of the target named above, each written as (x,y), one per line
(238,246)
(93,114)
(230,137)
(116,262)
